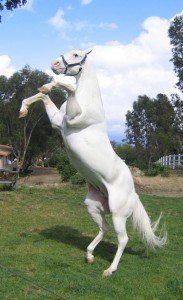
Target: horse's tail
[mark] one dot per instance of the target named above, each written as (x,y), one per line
(142,224)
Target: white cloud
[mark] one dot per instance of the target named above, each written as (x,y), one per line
(58,20)
(86,2)
(138,68)
(6,67)
(126,71)
(104,25)
(60,23)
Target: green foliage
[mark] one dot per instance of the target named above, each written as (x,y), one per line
(64,167)
(156,170)
(176,40)
(32,136)
(61,161)
(126,152)
(11,4)
(77,179)
(44,236)
(139,163)
(165,173)
(152,128)
(54,160)
(151,172)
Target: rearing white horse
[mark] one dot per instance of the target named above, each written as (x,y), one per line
(82,124)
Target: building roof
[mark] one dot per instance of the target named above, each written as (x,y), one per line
(5,150)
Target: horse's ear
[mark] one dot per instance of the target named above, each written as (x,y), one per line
(88,52)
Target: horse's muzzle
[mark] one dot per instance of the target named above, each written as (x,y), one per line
(57,68)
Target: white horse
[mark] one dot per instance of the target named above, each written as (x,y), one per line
(82,124)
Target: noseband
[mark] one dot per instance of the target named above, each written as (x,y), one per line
(73,65)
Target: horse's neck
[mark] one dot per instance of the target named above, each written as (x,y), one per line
(87,79)
(87,100)
(87,88)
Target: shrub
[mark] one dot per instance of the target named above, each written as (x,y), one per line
(77,179)
(62,163)
(54,161)
(65,168)
(158,167)
(138,164)
(151,172)
(165,173)
(155,170)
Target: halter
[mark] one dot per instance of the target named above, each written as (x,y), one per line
(72,65)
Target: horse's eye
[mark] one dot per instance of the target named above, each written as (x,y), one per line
(76,55)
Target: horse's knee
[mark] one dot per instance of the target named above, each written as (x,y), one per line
(43,89)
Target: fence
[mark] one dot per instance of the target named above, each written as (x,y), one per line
(173,161)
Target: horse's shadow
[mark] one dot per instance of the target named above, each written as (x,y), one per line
(73,237)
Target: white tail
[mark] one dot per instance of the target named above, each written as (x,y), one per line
(142,224)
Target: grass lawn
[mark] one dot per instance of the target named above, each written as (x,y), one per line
(44,233)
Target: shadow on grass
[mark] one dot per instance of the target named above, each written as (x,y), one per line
(73,237)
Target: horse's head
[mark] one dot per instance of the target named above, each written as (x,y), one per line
(70,63)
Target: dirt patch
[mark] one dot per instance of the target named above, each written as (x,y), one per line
(41,176)
(171,186)
(161,186)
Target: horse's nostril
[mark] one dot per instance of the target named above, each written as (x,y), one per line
(55,63)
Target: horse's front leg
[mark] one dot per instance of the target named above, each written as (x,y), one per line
(46,88)
(27,102)
(55,115)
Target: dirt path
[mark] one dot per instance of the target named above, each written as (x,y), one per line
(161,186)
(41,176)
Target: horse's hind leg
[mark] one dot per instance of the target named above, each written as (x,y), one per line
(93,203)
(120,229)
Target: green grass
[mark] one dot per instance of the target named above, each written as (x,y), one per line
(44,233)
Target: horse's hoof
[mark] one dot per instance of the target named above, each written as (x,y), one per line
(90,260)
(107,273)
(43,89)
(23,113)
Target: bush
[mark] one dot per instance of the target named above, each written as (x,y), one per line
(54,161)
(138,164)
(65,168)
(155,170)
(151,172)
(62,163)
(165,173)
(158,167)
(77,179)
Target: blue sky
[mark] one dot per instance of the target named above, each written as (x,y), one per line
(131,49)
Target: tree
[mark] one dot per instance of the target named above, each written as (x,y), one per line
(176,39)
(152,128)
(11,4)
(178,107)
(127,152)
(29,136)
